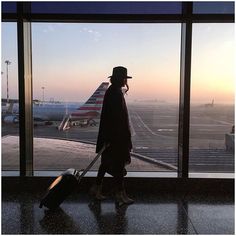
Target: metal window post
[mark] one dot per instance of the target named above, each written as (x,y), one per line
(184,106)
(7,65)
(25,90)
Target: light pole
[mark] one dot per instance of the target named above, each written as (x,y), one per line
(1,74)
(43,93)
(7,63)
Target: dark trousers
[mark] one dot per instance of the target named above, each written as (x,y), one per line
(118,180)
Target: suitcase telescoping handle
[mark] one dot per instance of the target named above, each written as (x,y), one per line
(93,161)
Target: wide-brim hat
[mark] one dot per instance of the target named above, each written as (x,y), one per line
(119,72)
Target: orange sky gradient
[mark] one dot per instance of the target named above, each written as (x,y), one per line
(86,54)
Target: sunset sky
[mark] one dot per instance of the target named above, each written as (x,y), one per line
(71,60)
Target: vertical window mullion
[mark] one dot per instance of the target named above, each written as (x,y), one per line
(25,92)
(184,106)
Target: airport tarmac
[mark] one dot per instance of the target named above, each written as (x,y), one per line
(154,129)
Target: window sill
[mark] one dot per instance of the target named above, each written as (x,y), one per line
(131,174)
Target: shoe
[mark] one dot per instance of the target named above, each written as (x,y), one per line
(100,197)
(126,198)
(119,200)
(96,191)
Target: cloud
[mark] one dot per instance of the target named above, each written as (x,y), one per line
(50,28)
(95,34)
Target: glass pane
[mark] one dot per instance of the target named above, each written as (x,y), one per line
(8,7)
(107,7)
(213,7)
(9,73)
(70,61)
(212,99)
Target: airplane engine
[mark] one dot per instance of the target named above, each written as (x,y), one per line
(11,119)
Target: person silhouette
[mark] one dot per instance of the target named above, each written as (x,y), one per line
(114,130)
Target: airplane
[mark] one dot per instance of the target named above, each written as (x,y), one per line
(69,115)
(210,104)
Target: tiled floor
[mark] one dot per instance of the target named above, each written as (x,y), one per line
(150,214)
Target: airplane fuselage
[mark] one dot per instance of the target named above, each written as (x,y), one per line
(64,112)
(53,113)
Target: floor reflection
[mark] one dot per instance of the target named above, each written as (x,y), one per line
(151,214)
(182,218)
(26,218)
(111,222)
(57,221)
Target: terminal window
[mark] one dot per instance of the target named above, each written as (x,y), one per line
(70,61)
(212,99)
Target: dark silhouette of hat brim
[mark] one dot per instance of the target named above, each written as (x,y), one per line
(120,72)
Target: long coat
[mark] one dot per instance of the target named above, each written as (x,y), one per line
(114,129)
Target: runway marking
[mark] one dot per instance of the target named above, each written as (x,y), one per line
(208,125)
(160,130)
(141,148)
(222,122)
(140,119)
(210,164)
(133,133)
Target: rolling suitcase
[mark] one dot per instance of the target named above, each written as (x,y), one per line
(64,185)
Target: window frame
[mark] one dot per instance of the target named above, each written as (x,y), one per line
(187,18)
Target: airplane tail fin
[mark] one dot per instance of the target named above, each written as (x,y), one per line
(94,103)
(89,111)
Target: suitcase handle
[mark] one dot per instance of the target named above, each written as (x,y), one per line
(93,161)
